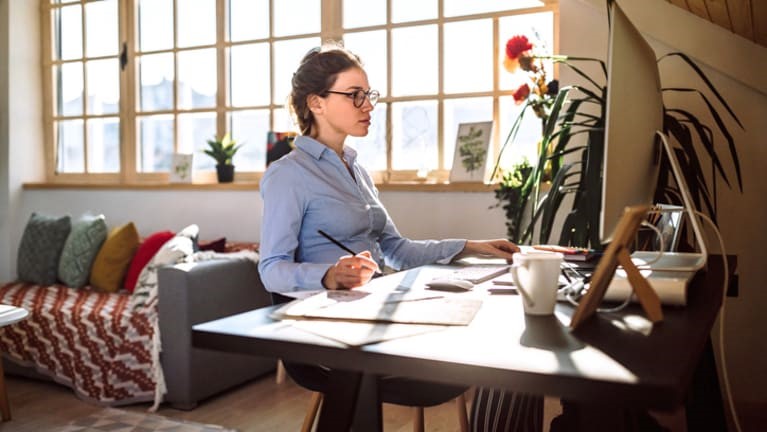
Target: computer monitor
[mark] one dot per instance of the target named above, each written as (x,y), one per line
(634,141)
(634,111)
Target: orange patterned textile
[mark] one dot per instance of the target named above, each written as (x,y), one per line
(87,340)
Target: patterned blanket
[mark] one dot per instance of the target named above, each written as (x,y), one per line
(87,340)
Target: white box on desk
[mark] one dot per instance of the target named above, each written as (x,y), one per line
(671,286)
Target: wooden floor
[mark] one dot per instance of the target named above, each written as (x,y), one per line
(261,405)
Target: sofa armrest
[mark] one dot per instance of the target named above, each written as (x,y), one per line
(192,293)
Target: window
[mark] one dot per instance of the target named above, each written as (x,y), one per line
(129,83)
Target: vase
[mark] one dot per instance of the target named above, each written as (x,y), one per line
(225,173)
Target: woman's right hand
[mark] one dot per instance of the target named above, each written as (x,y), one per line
(350,271)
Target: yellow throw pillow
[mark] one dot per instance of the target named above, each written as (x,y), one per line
(114,257)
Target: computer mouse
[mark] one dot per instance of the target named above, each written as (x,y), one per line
(446,284)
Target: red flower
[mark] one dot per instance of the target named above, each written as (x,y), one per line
(516,46)
(521,94)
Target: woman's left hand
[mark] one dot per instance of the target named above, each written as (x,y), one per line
(499,248)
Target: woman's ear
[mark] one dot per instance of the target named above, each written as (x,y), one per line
(314,102)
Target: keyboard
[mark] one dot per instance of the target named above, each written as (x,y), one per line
(477,274)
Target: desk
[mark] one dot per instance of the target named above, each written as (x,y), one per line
(614,360)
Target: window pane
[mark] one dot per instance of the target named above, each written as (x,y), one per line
(283,122)
(101,24)
(414,136)
(155,24)
(296,17)
(248,19)
(539,29)
(525,144)
(104,145)
(463,7)
(371,149)
(287,57)
(156,73)
(468,54)
(68,32)
(196,22)
(194,130)
(363,13)
(414,60)
(69,89)
(103,86)
(249,72)
(156,147)
(463,110)
(409,10)
(197,78)
(371,49)
(70,157)
(249,128)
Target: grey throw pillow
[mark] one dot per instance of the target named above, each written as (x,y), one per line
(84,241)
(40,248)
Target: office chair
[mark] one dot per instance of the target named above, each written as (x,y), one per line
(391,389)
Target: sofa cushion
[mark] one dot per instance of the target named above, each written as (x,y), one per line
(40,248)
(144,253)
(113,259)
(83,243)
(174,251)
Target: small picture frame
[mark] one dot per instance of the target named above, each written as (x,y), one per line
(471,152)
(181,168)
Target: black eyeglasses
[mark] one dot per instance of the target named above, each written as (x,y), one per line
(358,96)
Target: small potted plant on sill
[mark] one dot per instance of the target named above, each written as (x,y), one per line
(223,151)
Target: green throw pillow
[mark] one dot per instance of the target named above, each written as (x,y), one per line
(80,249)
(40,248)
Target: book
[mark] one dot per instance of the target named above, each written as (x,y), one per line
(571,253)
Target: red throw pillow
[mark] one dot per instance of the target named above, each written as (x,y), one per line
(143,255)
(218,245)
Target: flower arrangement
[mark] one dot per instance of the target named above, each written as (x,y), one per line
(540,97)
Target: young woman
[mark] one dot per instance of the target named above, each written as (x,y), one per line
(320,186)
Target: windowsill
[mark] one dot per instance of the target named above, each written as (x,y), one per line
(253,186)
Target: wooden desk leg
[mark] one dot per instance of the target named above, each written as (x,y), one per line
(4,406)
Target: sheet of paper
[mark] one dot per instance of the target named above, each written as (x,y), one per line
(360,333)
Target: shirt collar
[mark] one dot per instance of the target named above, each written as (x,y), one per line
(316,148)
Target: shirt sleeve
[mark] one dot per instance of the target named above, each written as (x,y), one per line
(402,253)
(284,206)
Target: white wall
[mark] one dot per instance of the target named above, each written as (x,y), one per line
(21,151)
(738,69)
(236,214)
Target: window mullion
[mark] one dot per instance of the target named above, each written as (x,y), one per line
(222,77)
(128,139)
(331,27)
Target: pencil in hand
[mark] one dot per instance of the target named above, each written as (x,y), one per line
(341,245)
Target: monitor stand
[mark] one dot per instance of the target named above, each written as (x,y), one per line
(676,261)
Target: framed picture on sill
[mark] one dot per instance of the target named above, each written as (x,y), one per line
(470,159)
(181,168)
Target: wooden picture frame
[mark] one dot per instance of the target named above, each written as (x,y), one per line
(471,152)
(618,253)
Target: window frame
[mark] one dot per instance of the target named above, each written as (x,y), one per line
(331,28)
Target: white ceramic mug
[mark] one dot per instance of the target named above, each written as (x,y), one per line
(536,275)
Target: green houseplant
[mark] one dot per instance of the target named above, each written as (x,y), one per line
(579,110)
(223,151)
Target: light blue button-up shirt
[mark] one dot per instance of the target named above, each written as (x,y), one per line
(310,189)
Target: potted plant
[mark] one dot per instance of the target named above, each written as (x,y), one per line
(223,151)
(563,114)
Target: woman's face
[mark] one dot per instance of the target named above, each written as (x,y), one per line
(339,116)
